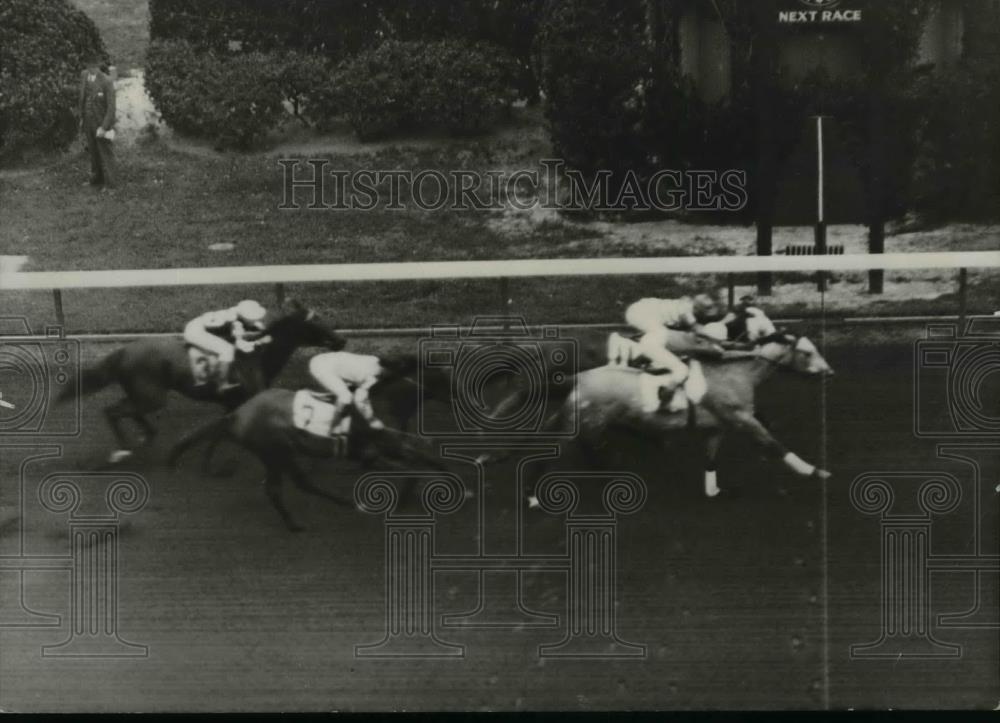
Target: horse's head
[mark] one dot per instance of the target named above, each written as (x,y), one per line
(302,326)
(796,353)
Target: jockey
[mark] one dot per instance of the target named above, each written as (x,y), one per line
(654,318)
(747,322)
(223,332)
(349,378)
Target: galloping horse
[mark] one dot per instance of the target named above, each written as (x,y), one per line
(265,426)
(593,352)
(148,369)
(613,397)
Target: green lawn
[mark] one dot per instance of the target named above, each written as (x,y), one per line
(173,206)
(124,25)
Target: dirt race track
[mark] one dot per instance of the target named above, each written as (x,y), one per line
(727,595)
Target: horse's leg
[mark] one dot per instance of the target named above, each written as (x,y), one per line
(148,430)
(303,483)
(712,444)
(747,423)
(272,487)
(118,412)
(142,397)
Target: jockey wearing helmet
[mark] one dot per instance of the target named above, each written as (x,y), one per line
(655,317)
(349,378)
(224,332)
(747,322)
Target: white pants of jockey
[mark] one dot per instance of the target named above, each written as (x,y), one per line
(198,336)
(330,370)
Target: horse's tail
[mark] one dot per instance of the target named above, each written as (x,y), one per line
(94,378)
(212,431)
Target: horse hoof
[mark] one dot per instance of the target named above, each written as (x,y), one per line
(822,475)
(119,456)
(712,494)
(533,503)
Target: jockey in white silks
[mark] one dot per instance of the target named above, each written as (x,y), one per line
(211,332)
(654,318)
(349,378)
(747,322)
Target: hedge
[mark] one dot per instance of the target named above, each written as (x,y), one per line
(460,87)
(235,99)
(339,29)
(43,46)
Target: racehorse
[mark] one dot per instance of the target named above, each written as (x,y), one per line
(612,397)
(265,426)
(148,369)
(593,353)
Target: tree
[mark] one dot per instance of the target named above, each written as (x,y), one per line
(43,44)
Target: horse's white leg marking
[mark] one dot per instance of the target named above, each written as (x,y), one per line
(799,465)
(711,483)
(533,503)
(119,455)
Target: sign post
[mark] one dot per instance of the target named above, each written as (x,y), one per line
(820,232)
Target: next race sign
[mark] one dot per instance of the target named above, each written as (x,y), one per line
(819,11)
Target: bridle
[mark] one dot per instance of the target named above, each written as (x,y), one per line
(789,339)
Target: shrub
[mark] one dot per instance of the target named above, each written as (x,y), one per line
(465,88)
(379,89)
(593,69)
(233,98)
(458,86)
(339,29)
(43,44)
(305,84)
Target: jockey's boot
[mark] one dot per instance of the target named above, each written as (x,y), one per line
(667,395)
(225,383)
(676,399)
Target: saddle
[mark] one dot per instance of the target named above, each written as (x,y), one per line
(691,391)
(316,414)
(625,352)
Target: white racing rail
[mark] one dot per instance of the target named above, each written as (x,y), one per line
(520,268)
(503,271)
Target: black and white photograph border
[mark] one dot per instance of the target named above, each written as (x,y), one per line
(499,355)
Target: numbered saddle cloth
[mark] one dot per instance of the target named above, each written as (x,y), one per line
(204,366)
(319,417)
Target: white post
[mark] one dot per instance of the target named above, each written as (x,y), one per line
(820,161)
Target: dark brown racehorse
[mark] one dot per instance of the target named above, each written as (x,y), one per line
(149,369)
(264,426)
(611,397)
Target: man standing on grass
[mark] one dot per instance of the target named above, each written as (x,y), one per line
(97,121)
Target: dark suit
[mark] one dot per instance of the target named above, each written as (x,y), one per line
(97,110)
